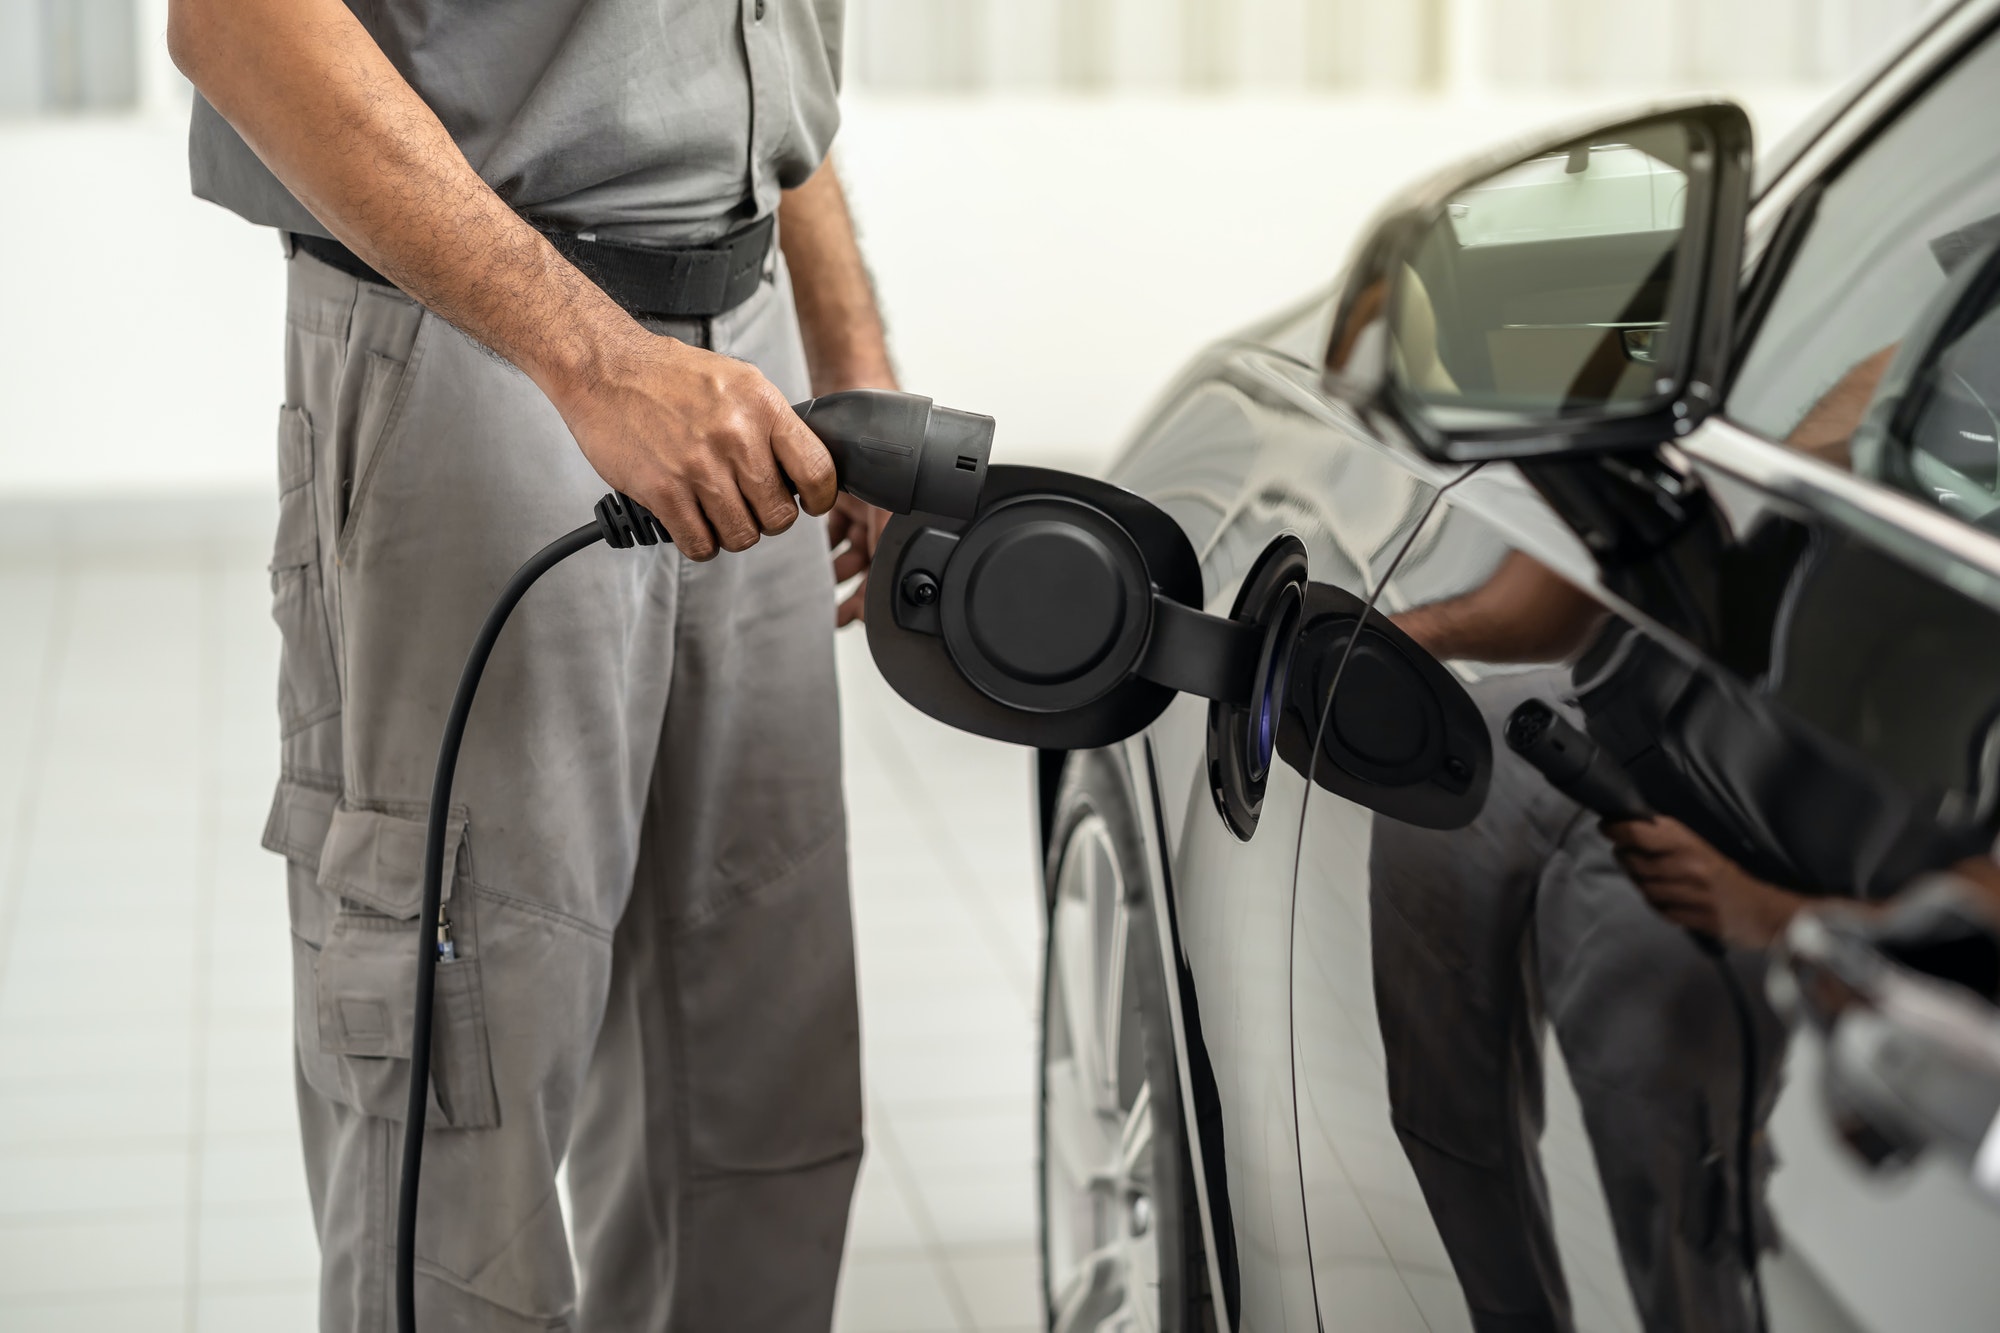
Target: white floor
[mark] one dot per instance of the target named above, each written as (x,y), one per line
(149,1178)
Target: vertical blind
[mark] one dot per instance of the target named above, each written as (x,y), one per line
(1363,45)
(68,55)
(80,55)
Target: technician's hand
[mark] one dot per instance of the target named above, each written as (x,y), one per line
(1691,884)
(700,440)
(852,531)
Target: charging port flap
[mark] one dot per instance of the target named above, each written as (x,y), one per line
(1065,614)
(1396,731)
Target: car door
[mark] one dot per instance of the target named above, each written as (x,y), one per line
(1517,1072)
(1873,353)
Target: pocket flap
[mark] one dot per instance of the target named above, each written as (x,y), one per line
(377,859)
(367,978)
(296,829)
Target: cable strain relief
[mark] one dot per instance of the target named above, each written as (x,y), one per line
(626,523)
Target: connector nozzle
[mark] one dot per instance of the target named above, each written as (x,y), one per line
(901,452)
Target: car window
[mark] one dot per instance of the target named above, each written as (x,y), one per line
(1933,428)
(1889,234)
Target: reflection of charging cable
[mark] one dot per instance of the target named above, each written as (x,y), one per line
(1578,767)
(894,450)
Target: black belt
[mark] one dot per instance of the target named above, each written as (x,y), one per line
(691,283)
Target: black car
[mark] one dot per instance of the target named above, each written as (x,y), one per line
(1520,752)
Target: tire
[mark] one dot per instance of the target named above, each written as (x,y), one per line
(1121,1239)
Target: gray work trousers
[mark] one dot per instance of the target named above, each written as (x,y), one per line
(1486,937)
(647,874)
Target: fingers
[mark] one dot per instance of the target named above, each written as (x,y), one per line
(848,564)
(1658,834)
(682,518)
(851,607)
(1671,876)
(1674,893)
(722,503)
(1683,904)
(1701,922)
(838,524)
(804,459)
(767,497)
(853,530)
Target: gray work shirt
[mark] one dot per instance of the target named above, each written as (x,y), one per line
(646,119)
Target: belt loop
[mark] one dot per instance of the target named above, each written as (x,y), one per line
(286,244)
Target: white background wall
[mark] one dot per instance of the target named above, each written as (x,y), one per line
(1055,221)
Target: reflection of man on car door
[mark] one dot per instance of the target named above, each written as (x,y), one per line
(1487,936)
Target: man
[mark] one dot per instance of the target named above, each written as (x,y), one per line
(646,958)
(1489,938)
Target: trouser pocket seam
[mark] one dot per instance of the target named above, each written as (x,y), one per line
(377,433)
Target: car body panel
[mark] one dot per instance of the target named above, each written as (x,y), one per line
(1312,1208)
(1227,458)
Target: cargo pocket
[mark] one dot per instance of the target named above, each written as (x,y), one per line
(356,1017)
(308,683)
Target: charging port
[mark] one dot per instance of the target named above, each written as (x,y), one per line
(1243,738)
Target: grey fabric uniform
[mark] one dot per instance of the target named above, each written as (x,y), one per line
(648,892)
(647,884)
(642,119)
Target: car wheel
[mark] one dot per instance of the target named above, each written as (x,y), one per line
(1120,1236)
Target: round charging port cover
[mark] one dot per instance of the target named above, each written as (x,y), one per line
(916,664)
(1046,604)
(1272,595)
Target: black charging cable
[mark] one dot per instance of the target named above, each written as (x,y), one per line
(1578,767)
(620,522)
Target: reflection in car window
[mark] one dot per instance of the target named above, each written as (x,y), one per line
(1549,285)
(1592,190)
(1888,233)
(1934,427)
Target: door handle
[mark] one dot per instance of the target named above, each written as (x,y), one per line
(1905,1005)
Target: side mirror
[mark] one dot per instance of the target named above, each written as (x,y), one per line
(1572,297)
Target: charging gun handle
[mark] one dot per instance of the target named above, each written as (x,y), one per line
(898,451)
(1577,766)
(1573,763)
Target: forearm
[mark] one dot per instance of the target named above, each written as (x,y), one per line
(1523,613)
(315,98)
(838,318)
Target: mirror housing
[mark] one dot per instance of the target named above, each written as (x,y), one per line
(1575,294)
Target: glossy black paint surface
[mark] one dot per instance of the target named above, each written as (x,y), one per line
(1454,1070)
